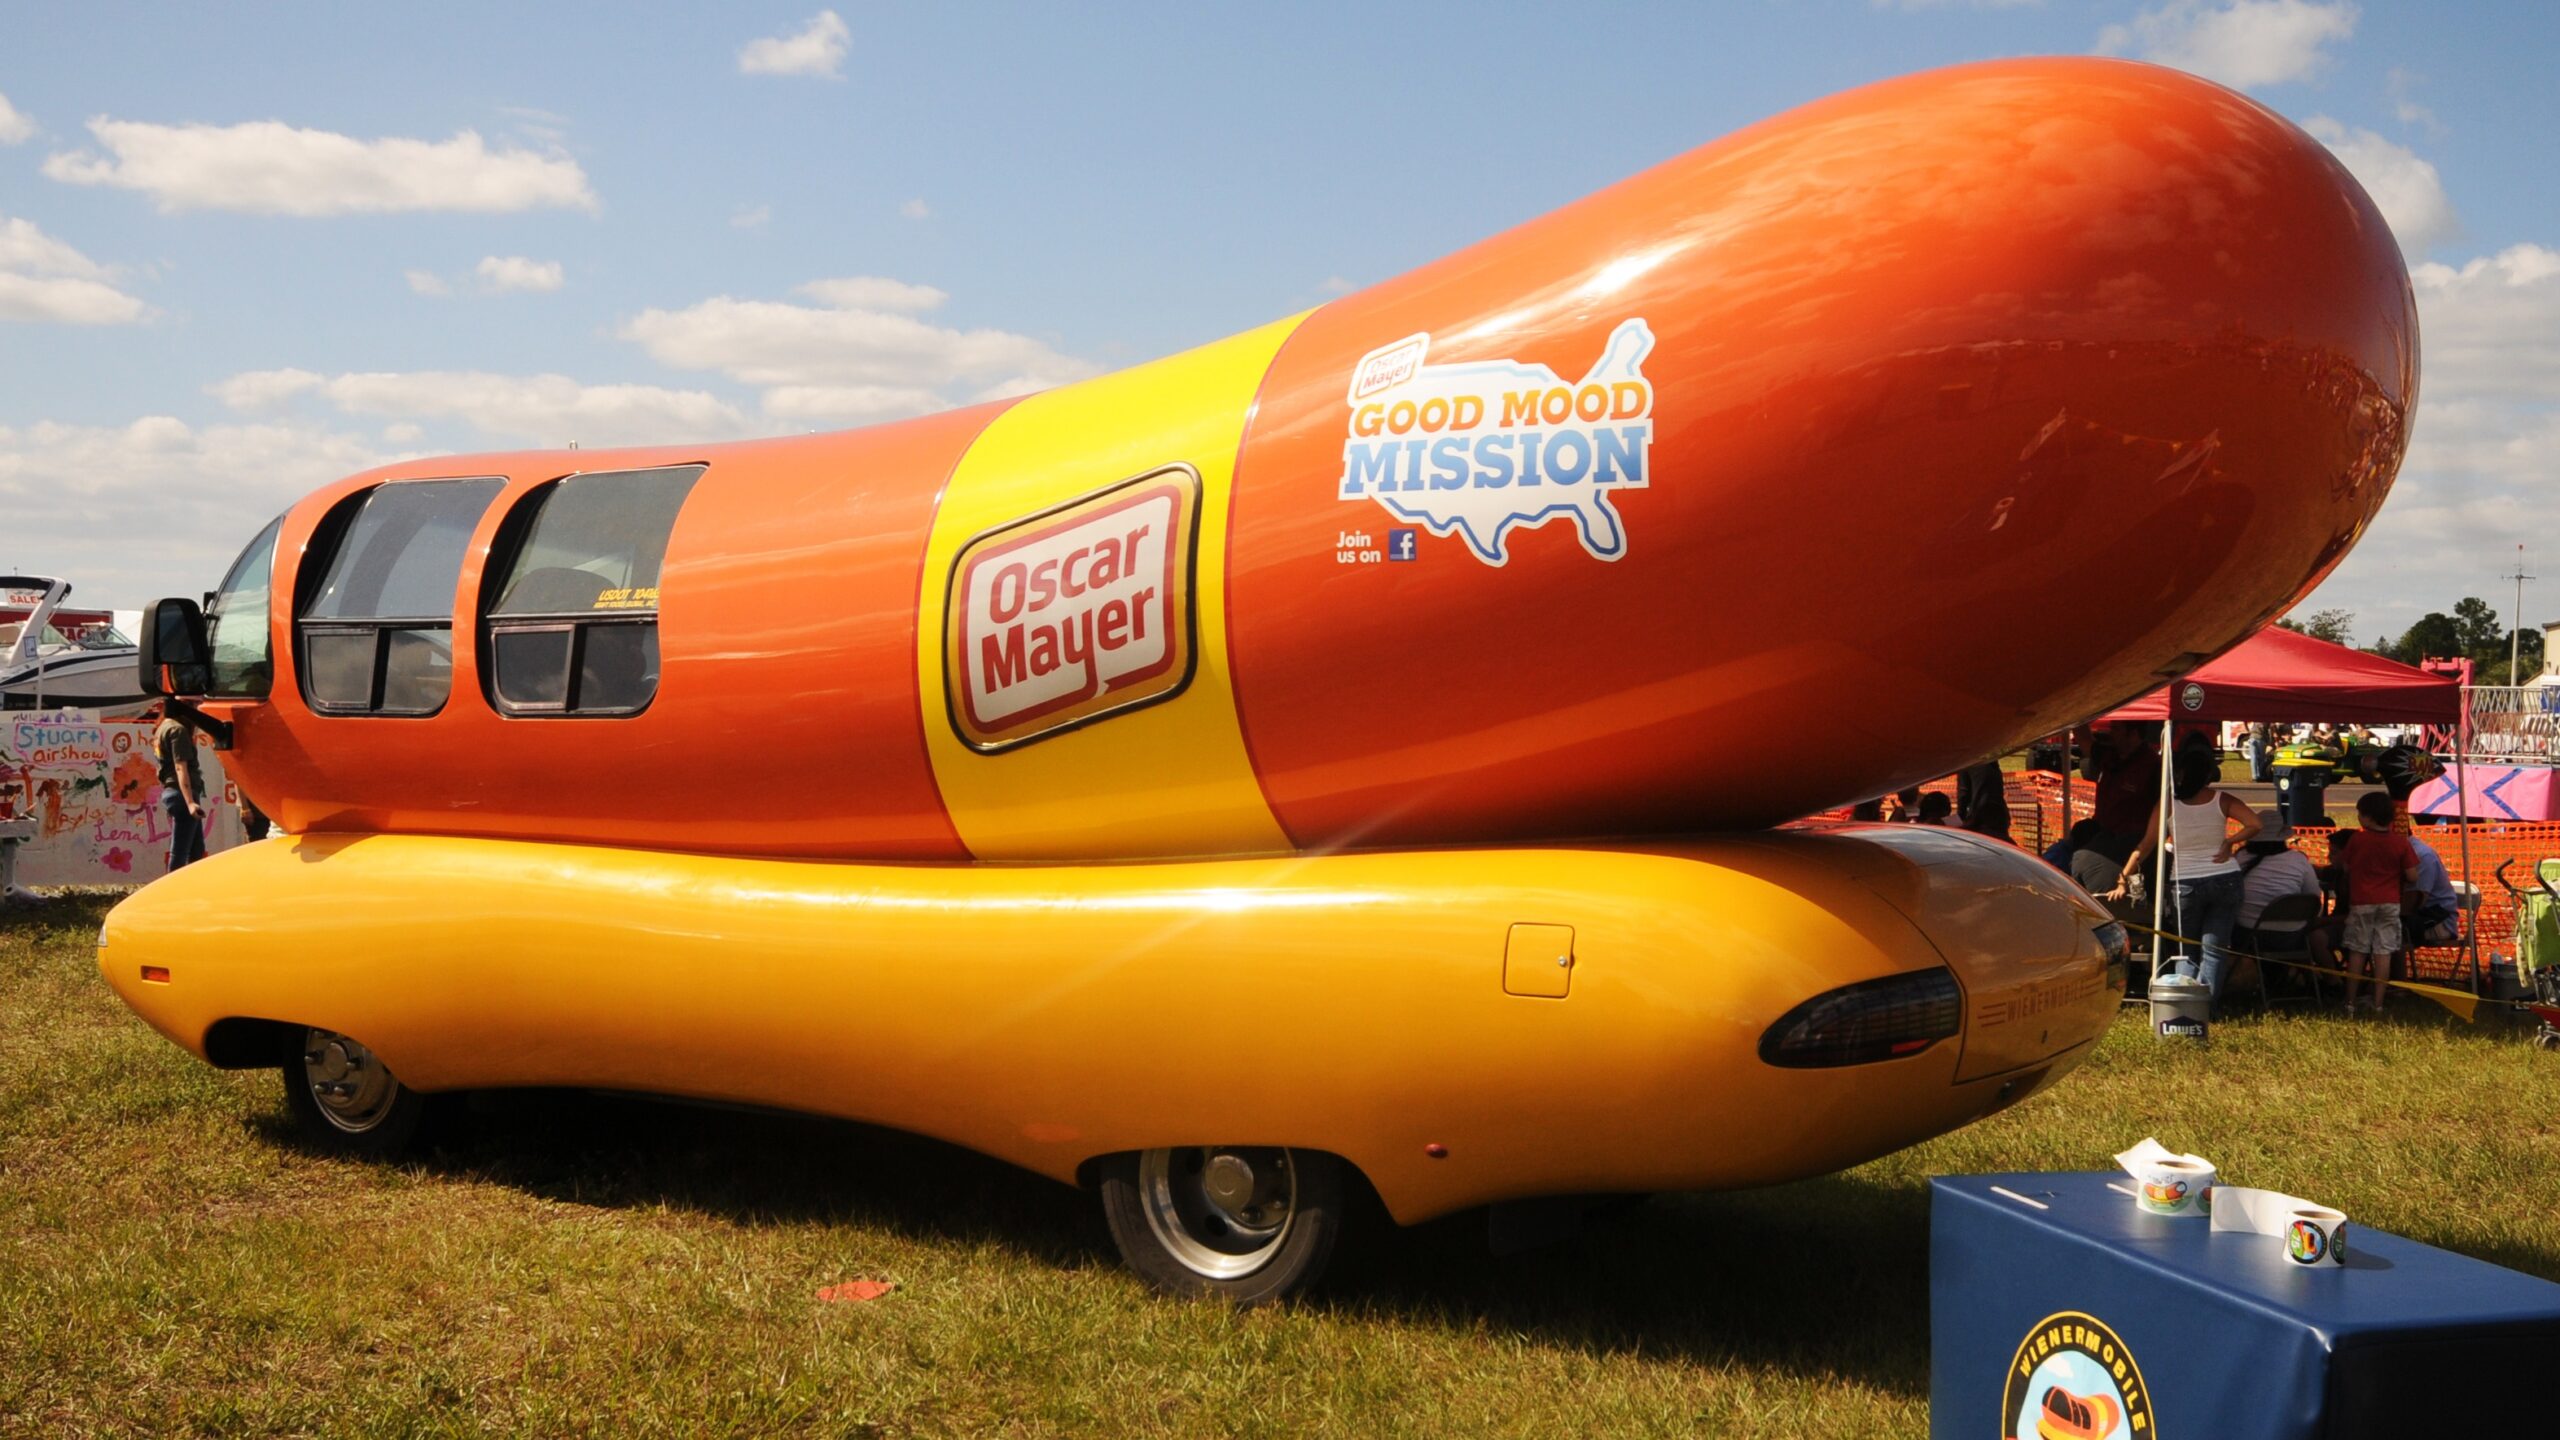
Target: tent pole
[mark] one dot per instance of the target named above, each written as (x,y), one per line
(2160,848)
(2070,744)
(2462,812)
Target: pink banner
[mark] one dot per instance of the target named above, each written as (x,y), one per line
(2495,792)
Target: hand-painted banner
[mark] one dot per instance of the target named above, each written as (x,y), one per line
(93,788)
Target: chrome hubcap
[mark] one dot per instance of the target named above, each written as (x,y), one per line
(1223,1211)
(351,1087)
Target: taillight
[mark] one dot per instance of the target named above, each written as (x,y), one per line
(1871,1020)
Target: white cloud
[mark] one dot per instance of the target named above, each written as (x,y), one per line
(754,219)
(1949,4)
(426,282)
(850,404)
(2490,329)
(29,251)
(542,126)
(15,125)
(915,210)
(253,391)
(2484,446)
(1335,285)
(2403,185)
(2238,42)
(503,274)
(157,507)
(266,167)
(817,49)
(2403,86)
(844,357)
(46,281)
(66,302)
(548,410)
(871,292)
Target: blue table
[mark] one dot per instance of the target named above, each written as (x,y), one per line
(2059,1310)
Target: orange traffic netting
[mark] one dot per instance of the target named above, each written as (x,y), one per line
(2036,821)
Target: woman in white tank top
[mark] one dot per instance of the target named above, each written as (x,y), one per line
(2207,827)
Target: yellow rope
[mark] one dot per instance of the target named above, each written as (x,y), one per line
(2460,1002)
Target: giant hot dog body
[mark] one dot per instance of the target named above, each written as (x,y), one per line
(1827,457)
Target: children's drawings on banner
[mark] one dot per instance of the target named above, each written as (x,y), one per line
(93,788)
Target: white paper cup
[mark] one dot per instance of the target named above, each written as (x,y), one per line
(2316,1236)
(2175,1187)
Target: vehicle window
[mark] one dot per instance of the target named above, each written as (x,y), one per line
(237,621)
(377,632)
(574,629)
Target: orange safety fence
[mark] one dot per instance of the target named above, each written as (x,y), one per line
(2036,821)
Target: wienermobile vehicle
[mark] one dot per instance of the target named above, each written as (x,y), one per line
(1339,754)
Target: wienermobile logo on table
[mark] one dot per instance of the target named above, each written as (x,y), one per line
(1485,447)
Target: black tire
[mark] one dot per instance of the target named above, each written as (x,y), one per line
(375,1117)
(1239,1269)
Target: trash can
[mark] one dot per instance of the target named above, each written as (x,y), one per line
(2181,1008)
(2303,773)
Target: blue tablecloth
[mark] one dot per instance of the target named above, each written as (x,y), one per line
(2059,1310)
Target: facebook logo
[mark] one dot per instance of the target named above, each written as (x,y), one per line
(1403,544)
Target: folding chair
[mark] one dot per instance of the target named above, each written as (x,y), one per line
(2283,932)
(2466,918)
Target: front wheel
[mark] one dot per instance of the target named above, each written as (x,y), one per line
(344,1099)
(1246,1223)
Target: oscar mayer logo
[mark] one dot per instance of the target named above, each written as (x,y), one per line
(1079,612)
(1481,448)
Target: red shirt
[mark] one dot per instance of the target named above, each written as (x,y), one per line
(2127,789)
(2376,864)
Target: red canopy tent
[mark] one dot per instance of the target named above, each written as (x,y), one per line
(2278,677)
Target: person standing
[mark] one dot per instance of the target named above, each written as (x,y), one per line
(2262,755)
(181,788)
(2126,772)
(2206,887)
(2378,863)
(1982,800)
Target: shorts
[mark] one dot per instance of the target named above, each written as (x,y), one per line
(2373,930)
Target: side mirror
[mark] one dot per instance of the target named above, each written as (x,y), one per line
(175,659)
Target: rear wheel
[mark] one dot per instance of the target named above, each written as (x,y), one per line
(345,1099)
(1246,1223)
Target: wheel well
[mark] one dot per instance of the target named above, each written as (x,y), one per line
(1089,1171)
(240,1043)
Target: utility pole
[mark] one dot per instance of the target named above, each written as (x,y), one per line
(2515,632)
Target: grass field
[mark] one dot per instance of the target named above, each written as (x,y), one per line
(171,1263)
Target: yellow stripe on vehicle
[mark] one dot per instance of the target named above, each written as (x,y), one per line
(1133,748)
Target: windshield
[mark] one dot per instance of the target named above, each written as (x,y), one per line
(237,623)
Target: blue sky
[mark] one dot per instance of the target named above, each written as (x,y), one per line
(243,251)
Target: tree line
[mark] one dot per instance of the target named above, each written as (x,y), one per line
(2471,630)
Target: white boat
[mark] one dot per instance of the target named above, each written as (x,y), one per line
(57,658)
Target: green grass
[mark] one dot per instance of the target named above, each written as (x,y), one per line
(170,1261)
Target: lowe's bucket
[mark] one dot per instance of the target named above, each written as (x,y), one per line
(2181,1008)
